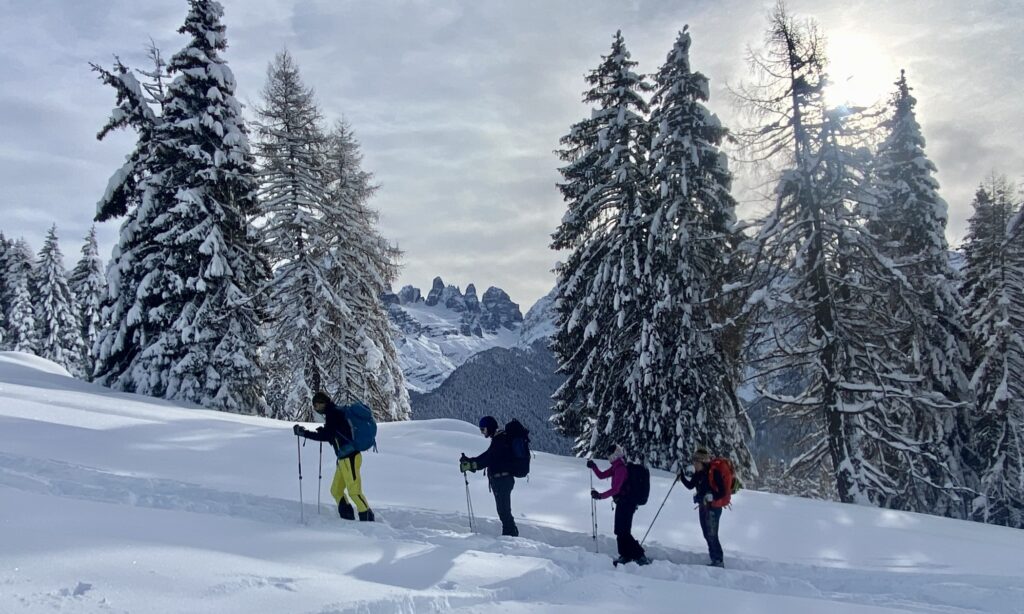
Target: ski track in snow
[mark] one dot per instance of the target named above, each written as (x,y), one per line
(567,556)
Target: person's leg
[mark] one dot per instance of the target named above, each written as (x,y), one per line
(714,545)
(354,484)
(502,489)
(633,547)
(338,491)
(623,520)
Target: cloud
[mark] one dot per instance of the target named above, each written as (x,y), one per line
(460,104)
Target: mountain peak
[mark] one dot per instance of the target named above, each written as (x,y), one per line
(439,332)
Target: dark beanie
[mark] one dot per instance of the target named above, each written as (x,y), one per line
(321,397)
(489,423)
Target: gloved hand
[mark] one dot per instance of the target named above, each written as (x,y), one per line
(463,458)
(591,464)
(708,498)
(696,499)
(465,466)
(594,494)
(300,430)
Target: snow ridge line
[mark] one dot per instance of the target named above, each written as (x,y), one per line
(567,551)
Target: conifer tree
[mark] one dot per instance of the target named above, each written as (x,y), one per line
(5,248)
(190,329)
(89,287)
(688,384)
(910,222)
(57,317)
(128,325)
(994,291)
(364,267)
(331,265)
(22,333)
(599,304)
(819,290)
(296,238)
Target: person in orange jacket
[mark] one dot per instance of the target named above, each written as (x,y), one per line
(712,494)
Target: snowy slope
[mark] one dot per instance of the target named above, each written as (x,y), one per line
(116,503)
(436,348)
(539,323)
(437,334)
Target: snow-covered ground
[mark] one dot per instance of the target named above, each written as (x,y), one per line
(116,503)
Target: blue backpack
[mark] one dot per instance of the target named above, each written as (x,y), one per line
(364,427)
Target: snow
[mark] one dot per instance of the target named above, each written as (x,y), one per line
(429,357)
(113,502)
(540,321)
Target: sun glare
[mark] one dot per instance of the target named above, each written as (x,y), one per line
(860,72)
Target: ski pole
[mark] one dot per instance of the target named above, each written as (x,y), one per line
(659,511)
(593,511)
(469,505)
(593,501)
(298,449)
(320,478)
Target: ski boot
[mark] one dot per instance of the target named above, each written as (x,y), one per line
(720,564)
(366,516)
(345,510)
(643,560)
(621,560)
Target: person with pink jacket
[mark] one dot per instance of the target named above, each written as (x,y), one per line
(630,550)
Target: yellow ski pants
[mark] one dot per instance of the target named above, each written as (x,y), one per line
(346,478)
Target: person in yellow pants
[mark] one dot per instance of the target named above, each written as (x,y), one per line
(337,430)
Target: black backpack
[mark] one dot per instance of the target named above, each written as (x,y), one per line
(637,488)
(519,448)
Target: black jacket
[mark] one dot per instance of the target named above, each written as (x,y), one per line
(335,430)
(701,482)
(498,457)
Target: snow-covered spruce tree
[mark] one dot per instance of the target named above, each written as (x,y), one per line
(89,287)
(57,319)
(364,266)
(687,383)
(22,334)
(5,248)
(910,223)
(598,292)
(819,289)
(130,314)
(994,291)
(297,238)
(197,273)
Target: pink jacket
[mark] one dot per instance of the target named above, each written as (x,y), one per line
(618,473)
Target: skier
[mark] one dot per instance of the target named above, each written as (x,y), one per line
(497,460)
(630,550)
(337,430)
(712,495)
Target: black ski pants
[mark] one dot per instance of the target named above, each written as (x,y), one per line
(709,520)
(501,487)
(629,548)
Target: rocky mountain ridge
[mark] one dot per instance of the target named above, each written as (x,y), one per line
(440,331)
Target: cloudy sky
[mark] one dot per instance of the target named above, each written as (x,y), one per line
(460,104)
